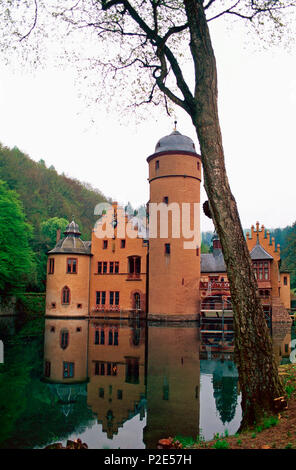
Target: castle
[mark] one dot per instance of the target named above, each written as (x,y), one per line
(164,276)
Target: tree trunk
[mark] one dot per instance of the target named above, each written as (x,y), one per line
(258,373)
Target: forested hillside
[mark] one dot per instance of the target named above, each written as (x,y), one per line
(49,201)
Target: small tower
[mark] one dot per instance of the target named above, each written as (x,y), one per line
(174,270)
(67,289)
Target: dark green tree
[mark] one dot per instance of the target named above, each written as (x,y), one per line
(17,264)
(289,255)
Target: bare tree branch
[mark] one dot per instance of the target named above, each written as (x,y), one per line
(34,23)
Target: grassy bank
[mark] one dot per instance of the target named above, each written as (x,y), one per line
(274,432)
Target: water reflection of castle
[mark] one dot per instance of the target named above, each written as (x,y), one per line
(128,368)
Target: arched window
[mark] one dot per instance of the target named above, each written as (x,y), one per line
(64,339)
(66,295)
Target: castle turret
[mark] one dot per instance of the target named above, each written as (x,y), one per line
(67,291)
(174,243)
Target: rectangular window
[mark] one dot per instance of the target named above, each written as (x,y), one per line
(116,267)
(105,265)
(100,297)
(285,281)
(71,265)
(122,243)
(111,298)
(114,298)
(119,394)
(166,199)
(116,338)
(105,368)
(51,266)
(97,337)
(101,393)
(105,244)
(198,165)
(100,267)
(110,339)
(111,267)
(68,370)
(156,164)
(102,336)
(167,248)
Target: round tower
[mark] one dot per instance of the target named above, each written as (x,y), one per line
(67,287)
(174,255)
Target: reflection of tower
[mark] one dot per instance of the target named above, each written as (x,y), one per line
(174,272)
(116,389)
(65,350)
(172,383)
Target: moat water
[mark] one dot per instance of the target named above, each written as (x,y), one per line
(119,384)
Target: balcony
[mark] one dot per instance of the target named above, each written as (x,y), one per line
(107,308)
(215,285)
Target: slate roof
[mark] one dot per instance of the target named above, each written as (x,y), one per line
(212,262)
(71,243)
(175,141)
(258,252)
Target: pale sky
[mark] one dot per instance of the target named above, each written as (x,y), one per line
(43,116)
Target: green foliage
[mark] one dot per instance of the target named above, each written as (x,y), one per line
(289,254)
(47,196)
(221,444)
(289,389)
(270,421)
(266,423)
(189,442)
(26,401)
(16,257)
(49,229)
(32,304)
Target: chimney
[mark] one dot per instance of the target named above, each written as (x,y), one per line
(58,235)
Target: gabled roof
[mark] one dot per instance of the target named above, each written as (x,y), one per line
(258,253)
